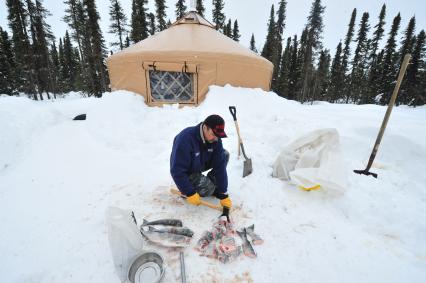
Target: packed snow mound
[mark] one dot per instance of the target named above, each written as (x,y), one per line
(59,176)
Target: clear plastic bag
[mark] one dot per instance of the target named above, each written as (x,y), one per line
(313,160)
(124,238)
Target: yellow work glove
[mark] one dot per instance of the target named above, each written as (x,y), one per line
(194,199)
(226,202)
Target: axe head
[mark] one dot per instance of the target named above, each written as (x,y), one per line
(365,172)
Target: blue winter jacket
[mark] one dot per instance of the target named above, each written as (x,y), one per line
(191,155)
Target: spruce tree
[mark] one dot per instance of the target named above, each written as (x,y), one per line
(139,27)
(253,43)
(100,77)
(236,32)
(346,54)
(374,70)
(56,67)
(79,78)
(389,69)
(64,51)
(378,33)
(22,49)
(281,17)
(336,76)
(44,39)
(218,15)
(270,50)
(7,79)
(180,9)
(35,48)
(407,45)
(416,73)
(87,59)
(73,17)
(284,75)
(62,76)
(407,40)
(375,76)
(227,29)
(151,19)
(70,64)
(77,19)
(295,69)
(200,7)
(160,11)
(358,77)
(280,25)
(314,29)
(118,24)
(322,76)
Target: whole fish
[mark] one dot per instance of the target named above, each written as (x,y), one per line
(173,230)
(166,239)
(248,249)
(255,239)
(165,222)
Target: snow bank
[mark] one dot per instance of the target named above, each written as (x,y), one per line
(58,176)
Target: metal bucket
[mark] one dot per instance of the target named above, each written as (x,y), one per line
(147,268)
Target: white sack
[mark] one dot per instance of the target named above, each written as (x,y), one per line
(125,240)
(313,159)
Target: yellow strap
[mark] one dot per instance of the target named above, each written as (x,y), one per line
(316,187)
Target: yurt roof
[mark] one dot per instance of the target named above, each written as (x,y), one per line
(192,35)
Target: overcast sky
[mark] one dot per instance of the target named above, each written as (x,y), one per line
(253,15)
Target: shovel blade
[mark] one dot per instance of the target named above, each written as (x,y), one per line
(248,168)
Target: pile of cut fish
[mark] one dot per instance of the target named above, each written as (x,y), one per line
(220,243)
(167,232)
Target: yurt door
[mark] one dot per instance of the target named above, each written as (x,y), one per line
(171,82)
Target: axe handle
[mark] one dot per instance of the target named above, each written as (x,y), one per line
(205,203)
(404,65)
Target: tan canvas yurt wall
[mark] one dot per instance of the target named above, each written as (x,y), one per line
(186,59)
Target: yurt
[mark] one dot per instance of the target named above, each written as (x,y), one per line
(179,64)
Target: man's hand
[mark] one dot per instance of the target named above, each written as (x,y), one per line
(225,213)
(226,202)
(194,199)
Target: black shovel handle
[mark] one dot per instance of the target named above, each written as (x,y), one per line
(233,111)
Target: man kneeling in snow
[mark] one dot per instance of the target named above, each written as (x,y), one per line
(198,149)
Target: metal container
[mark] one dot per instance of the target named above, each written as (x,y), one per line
(147,268)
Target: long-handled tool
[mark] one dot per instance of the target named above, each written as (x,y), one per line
(182,267)
(205,203)
(386,118)
(248,167)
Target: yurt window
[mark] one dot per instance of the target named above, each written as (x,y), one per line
(171,86)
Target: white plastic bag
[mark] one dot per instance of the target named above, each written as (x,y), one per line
(311,160)
(125,240)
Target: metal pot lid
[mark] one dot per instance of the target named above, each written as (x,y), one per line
(148,272)
(147,268)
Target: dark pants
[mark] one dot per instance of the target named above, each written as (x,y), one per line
(206,185)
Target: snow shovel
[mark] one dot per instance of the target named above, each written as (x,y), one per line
(366,171)
(205,203)
(248,168)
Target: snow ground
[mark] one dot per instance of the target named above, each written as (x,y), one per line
(58,176)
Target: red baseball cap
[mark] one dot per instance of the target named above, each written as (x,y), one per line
(217,124)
